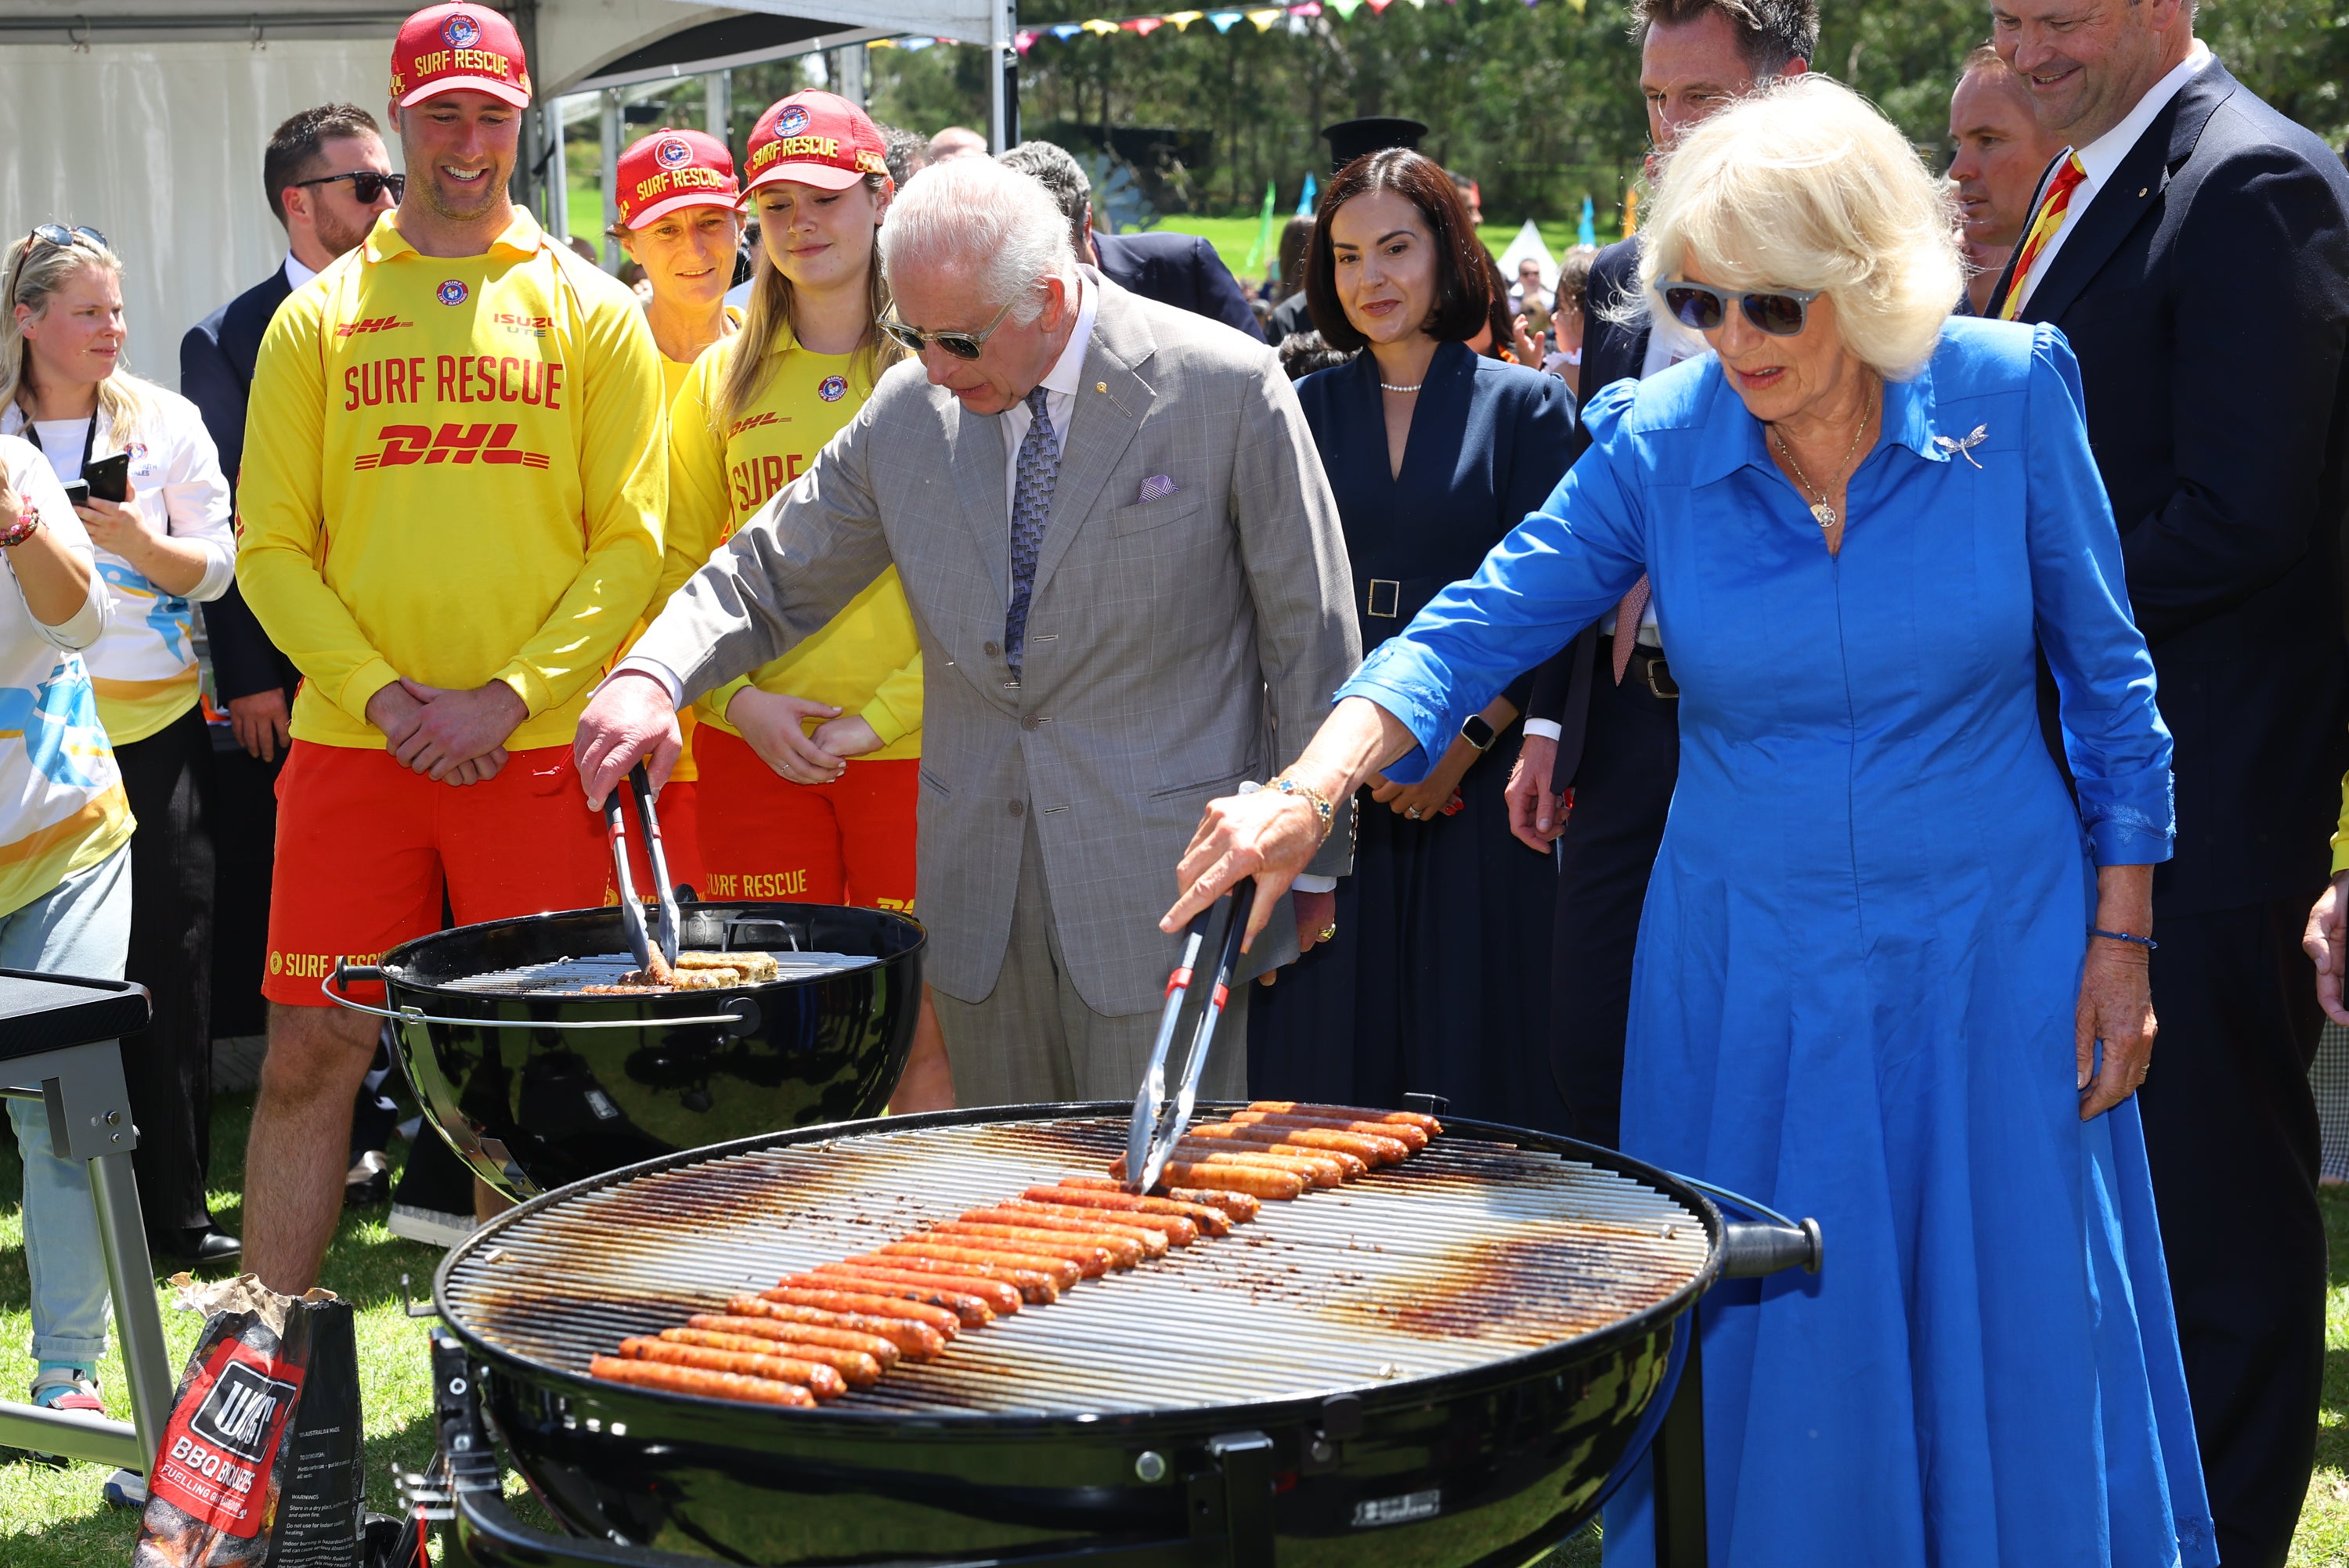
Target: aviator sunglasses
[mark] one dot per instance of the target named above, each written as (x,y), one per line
(1781,313)
(365,184)
(56,235)
(961,344)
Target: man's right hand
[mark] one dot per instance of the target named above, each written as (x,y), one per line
(629,721)
(2326,943)
(1536,812)
(263,724)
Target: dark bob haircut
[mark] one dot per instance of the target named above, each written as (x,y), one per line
(1463,287)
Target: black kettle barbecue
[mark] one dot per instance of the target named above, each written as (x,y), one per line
(536,1082)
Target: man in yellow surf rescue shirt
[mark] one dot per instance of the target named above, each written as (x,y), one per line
(451,509)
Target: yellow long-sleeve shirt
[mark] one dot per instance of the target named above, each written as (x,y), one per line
(455,469)
(868,660)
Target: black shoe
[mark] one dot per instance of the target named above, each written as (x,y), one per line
(367,1184)
(204,1248)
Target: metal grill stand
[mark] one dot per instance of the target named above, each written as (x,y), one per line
(58,1045)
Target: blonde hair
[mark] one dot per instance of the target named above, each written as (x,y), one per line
(35,269)
(1804,185)
(749,363)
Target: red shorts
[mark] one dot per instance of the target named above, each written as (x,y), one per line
(763,837)
(365,847)
(680,818)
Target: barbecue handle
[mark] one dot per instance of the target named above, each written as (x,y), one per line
(742,1022)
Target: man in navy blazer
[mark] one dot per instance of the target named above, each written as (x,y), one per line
(2201,272)
(1180,270)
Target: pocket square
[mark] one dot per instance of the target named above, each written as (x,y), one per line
(1157,487)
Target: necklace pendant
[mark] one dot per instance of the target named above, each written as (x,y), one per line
(1825,515)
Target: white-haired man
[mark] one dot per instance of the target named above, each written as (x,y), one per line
(1133,595)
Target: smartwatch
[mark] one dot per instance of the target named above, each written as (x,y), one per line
(1477,733)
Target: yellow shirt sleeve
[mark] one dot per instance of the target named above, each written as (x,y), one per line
(698,507)
(623,481)
(280,512)
(895,710)
(2341,835)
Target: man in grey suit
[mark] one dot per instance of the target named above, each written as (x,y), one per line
(1132,593)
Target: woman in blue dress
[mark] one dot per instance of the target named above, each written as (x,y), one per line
(1874,981)
(1433,453)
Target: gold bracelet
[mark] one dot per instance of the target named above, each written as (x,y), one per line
(1313,798)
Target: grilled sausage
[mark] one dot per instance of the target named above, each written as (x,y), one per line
(1426,1124)
(940,1309)
(880,1349)
(1039,1281)
(1412,1139)
(1317,1172)
(1152,1242)
(915,1340)
(695,1380)
(1319,1139)
(997,1298)
(1109,1252)
(1249,1140)
(860,1370)
(824,1382)
(1255,1180)
(1100,1192)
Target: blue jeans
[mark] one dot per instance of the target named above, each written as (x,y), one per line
(82,927)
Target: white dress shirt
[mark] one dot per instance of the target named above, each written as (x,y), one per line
(296,274)
(1061,385)
(2101,157)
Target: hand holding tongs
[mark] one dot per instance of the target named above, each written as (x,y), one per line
(1157,1127)
(632,913)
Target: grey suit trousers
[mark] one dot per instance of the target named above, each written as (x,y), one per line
(1032,1039)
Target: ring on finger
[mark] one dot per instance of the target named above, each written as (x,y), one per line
(1327,932)
(1413,812)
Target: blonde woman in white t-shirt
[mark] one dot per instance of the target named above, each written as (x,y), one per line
(167,547)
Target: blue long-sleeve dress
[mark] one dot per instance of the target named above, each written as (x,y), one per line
(1435,983)
(1861,954)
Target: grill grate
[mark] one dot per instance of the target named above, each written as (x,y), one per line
(1467,1253)
(565,976)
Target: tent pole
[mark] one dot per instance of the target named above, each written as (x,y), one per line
(718,90)
(558,177)
(1002,109)
(611,139)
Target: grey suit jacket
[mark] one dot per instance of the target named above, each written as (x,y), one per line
(1175,647)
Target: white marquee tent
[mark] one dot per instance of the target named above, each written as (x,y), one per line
(145,118)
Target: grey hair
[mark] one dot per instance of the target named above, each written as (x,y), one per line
(975,219)
(1057,170)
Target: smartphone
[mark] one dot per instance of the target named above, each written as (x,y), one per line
(108,477)
(78,492)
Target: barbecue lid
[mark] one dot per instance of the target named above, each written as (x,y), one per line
(1475,1252)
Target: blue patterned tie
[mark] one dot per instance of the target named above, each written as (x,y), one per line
(1031,507)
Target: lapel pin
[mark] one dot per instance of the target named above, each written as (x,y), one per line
(1103,385)
(2143,189)
(1964,448)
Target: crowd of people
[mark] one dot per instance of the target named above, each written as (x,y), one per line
(1761,656)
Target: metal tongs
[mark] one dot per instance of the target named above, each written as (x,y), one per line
(1158,1126)
(632,913)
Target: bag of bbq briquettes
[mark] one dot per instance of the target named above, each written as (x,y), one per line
(260,1459)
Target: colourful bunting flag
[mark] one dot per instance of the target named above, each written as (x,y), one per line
(1098,27)
(1310,8)
(1183,19)
(1064,31)
(1144,25)
(1587,233)
(1223,19)
(1023,41)
(916,43)
(1266,17)
(1305,202)
(1263,228)
(1378,7)
(1346,9)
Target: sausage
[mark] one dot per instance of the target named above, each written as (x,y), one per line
(881,1351)
(996,1298)
(1152,1241)
(1364,1146)
(1155,1232)
(1412,1139)
(915,1340)
(940,1309)
(1094,1255)
(860,1370)
(1039,1281)
(1100,1192)
(1317,1172)
(824,1382)
(1426,1124)
(1246,1141)
(695,1380)
(1255,1180)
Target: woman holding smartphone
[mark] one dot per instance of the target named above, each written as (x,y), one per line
(159,516)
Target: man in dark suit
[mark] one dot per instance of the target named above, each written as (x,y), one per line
(1603,718)
(327,175)
(2201,269)
(1180,270)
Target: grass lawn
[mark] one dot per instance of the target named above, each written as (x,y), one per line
(53,1518)
(1233,236)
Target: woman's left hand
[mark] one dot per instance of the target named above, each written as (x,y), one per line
(2116,1007)
(116,528)
(1426,799)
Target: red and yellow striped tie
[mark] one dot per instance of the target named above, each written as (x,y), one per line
(2044,224)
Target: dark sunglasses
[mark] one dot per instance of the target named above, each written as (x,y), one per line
(1781,313)
(57,234)
(365,184)
(961,344)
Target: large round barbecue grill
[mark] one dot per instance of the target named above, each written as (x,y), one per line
(1447,1361)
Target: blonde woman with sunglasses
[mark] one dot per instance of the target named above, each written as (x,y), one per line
(808,771)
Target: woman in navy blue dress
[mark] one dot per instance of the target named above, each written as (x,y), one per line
(1433,982)
(1890,973)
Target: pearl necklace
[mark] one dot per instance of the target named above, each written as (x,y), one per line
(1415,387)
